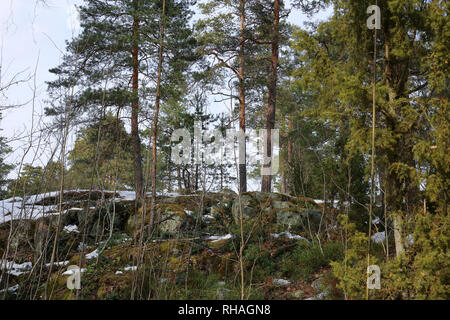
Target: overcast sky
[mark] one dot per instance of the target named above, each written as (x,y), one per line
(32,36)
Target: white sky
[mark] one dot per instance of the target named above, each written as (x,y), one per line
(33,36)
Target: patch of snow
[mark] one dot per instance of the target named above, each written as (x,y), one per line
(70,272)
(92,255)
(409,241)
(119,272)
(61,263)
(170,194)
(11,289)
(219,238)
(335,202)
(82,246)
(207,217)
(378,237)
(281,282)
(289,235)
(320,296)
(376,220)
(15,269)
(126,196)
(131,268)
(71,228)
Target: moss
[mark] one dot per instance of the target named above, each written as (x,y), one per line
(115,286)
(122,253)
(75,260)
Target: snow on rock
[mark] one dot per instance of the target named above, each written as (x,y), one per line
(219,238)
(378,237)
(32,207)
(335,202)
(15,269)
(289,235)
(126,196)
(12,209)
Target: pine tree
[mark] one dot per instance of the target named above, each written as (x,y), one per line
(118,45)
(223,37)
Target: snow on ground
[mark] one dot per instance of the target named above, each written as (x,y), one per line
(71,228)
(288,235)
(72,271)
(92,255)
(320,296)
(281,282)
(219,238)
(16,269)
(11,289)
(61,263)
(131,268)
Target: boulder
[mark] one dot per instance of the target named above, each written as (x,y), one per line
(248,207)
(21,233)
(172,218)
(41,233)
(288,218)
(286,215)
(280,204)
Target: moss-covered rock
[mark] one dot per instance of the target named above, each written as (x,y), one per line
(245,203)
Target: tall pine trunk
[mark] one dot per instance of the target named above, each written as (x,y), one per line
(155,122)
(243,148)
(266,183)
(137,160)
(287,159)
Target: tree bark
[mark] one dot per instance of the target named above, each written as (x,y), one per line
(285,184)
(243,148)
(155,122)
(180,187)
(136,141)
(266,183)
